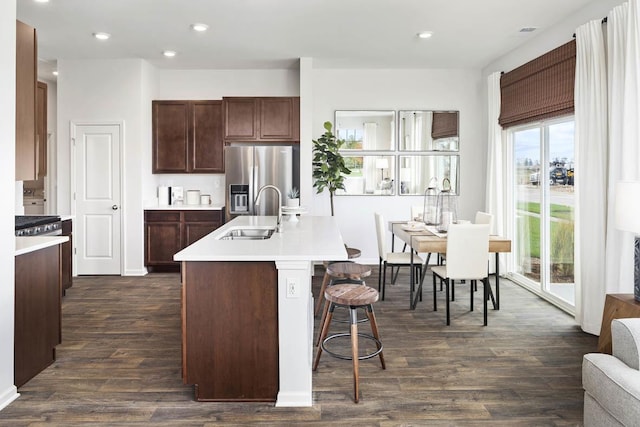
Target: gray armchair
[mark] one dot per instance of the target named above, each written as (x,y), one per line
(612,383)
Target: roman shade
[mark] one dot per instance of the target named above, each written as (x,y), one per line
(445,124)
(540,89)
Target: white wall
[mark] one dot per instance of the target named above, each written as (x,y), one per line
(19,206)
(8,390)
(214,84)
(108,90)
(435,89)
(306,131)
(550,38)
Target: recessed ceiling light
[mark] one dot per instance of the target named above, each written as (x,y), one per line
(169,53)
(199,27)
(425,34)
(55,73)
(102,36)
(42,1)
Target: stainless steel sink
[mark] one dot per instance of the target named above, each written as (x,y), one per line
(248,234)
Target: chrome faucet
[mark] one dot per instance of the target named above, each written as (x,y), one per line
(273,187)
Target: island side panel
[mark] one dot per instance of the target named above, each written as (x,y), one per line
(38,312)
(230,330)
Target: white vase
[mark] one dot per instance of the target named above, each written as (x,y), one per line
(293,203)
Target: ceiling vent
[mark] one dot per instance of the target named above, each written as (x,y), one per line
(528,29)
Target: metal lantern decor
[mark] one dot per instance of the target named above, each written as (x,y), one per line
(429,206)
(447,212)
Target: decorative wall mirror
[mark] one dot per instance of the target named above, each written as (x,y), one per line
(366,130)
(423,130)
(370,175)
(417,170)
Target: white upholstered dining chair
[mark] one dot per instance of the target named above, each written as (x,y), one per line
(467,252)
(483,218)
(393,259)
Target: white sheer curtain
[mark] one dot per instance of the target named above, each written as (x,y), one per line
(590,101)
(369,137)
(624,134)
(497,181)
(607,112)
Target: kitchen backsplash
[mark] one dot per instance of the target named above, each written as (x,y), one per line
(207,184)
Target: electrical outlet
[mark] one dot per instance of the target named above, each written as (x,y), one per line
(292,288)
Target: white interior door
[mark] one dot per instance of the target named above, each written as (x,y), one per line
(97,198)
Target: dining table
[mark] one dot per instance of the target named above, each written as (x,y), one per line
(427,239)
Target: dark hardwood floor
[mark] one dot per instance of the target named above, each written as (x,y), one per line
(119,364)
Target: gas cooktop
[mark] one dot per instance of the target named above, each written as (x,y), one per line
(27,221)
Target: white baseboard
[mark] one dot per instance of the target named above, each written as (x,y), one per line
(140,272)
(8,396)
(292,399)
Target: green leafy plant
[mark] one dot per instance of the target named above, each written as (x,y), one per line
(562,244)
(329,166)
(293,193)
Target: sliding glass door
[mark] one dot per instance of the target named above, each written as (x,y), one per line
(543,210)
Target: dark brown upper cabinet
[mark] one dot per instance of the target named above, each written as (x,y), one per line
(262,119)
(187,137)
(26,78)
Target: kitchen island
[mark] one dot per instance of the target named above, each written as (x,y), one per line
(247,308)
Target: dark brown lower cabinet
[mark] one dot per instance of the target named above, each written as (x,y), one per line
(230,330)
(37,328)
(161,239)
(169,231)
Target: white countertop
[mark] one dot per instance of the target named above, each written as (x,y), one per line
(312,238)
(26,244)
(183,207)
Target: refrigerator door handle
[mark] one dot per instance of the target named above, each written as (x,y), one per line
(255,172)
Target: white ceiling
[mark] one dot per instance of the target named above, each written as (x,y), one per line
(275,33)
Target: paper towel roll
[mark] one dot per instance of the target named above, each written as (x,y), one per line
(163,195)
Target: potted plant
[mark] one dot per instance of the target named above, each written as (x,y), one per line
(328,164)
(293,198)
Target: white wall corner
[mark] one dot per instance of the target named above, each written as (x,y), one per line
(8,391)
(306,130)
(8,396)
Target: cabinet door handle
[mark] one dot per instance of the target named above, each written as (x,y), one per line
(114,207)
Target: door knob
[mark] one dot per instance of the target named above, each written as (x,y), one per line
(114,207)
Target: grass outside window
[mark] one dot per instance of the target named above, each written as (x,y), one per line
(562,235)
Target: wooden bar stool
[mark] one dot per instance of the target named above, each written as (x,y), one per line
(353,296)
(340,272)
(351,253)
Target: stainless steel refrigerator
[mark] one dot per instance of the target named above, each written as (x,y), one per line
(247,169)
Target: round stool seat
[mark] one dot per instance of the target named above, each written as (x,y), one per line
(348,270)
(353,253)
(326,263)
(351,295)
